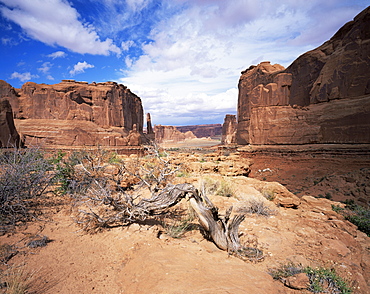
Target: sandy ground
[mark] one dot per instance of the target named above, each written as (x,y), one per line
(143,259)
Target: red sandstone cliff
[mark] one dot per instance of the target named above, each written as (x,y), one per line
(229,130)
(170,134)
(203,131)
(9,136)
(322,97)
(76,113)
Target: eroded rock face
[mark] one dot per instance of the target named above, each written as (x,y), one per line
(251,78)
(75,113)
(337,69)
(272,100)
(9,136)
(229,130)
(170,134)
(203,131)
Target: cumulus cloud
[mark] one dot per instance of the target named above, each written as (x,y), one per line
(55,22)
(26,76)
(45,67)
(57,54)
(190,68)
(80,67)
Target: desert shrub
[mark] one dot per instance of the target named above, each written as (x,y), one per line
(321,279)
(176,226)
(337,208)
(286,270)
(217,187)
(268,194)
(25,174)
(225,189)
(79,170)
(326,280)
(356,214)
(17,279)
(328,195)
(257,206)
(101,199)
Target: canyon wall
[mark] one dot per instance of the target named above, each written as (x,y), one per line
(322,97)
(229,130)
(76,113)
(165,134)
(203,131)
(9,136)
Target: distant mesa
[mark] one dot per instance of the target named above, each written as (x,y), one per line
(166,134)
(203,131)
(322,97)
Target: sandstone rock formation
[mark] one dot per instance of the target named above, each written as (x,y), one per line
(75,113)
(322,97)
(149,135)
(149,128)
(203,131)
(170,134)
(229,130)
(9,136)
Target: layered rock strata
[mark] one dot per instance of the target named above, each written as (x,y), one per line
(322,97)
(203,131)
(165,134)
(229,130)
(76,113)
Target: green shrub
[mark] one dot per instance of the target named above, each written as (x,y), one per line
(356,214)
(322,280)
(326,280)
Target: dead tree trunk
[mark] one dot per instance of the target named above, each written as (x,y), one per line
(222,230)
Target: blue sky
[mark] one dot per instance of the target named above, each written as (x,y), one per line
(182,57)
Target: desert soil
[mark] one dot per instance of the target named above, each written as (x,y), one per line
(141,258)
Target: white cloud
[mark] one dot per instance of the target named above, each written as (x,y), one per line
(26,76)
(80,67)
(191,67)
(137,5)
(126,45)
(55,22)
(45,67)
(57,54)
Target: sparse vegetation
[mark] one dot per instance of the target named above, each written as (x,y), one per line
(176,226)
(268,194)
(286,270)
(356,214)
(212,186)
(321,279)
(326,280)
(25,175)
(17,279)
(257,206)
